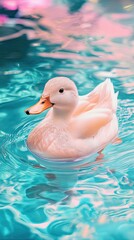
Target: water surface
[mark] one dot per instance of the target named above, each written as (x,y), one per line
(87,42)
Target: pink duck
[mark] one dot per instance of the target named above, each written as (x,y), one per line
(75,126)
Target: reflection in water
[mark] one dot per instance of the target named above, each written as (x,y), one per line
(13,42)
(119,6)
(86,41)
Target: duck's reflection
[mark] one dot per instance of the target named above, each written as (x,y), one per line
(51,194)
(61,186)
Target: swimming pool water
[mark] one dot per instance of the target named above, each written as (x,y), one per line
(86,41)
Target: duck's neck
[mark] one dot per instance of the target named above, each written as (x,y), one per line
(61,115)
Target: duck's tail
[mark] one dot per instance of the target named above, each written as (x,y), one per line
(107,98)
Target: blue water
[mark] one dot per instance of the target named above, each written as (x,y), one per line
(87,42)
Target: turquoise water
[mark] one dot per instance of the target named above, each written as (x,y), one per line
(87,42)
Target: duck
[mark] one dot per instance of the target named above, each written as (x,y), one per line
(75,126)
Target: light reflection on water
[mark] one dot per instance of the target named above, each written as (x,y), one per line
(87,43)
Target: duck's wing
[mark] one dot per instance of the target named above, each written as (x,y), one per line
(86,103)
(89,123)
(102,96)
(99,106)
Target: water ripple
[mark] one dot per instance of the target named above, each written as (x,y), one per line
(41,199)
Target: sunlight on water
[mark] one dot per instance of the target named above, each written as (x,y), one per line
(87,41)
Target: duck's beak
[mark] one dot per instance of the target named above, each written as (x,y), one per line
(42,105)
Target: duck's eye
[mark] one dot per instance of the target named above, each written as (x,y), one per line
(61,90)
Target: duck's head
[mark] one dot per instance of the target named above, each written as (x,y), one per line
(59,93)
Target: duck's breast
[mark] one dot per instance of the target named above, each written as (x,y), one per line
(52,140)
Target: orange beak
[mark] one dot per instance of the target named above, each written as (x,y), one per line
(42,105)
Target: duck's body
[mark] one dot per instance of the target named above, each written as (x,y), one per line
(83,126)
